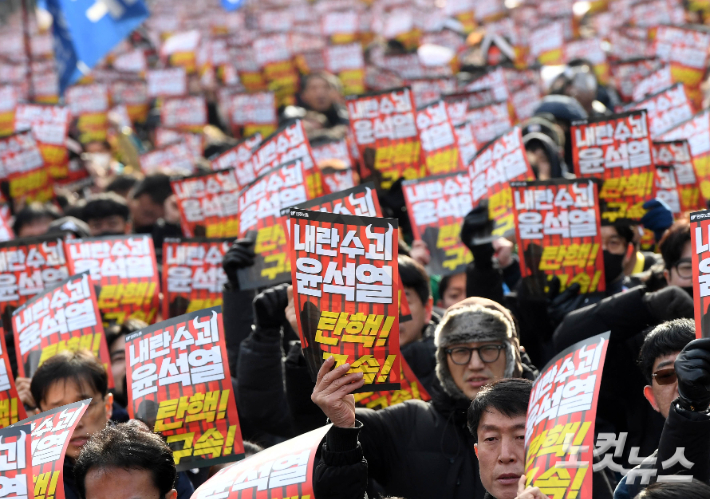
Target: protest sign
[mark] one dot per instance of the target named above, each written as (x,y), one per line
(178,382)
(16,472)
(50,126)
(340,26)
(23,165)
(253,113)
(685,50)
(589,49)
(440,152)
(653,83)
(185,113)
(238,158)
(51,435)
(283,470)
(176,157)
(700,243)
(133,94)
(274,57)
(193,277)
(348,64)
(208,204)
(125,271)
(676,155)
(429,90)
(27,266)
(495,80)
(617,150)
(64,317)
(667,188)
(260,205)
(8,102)
(336,164)
(666,109)
(193,141)
(499,162)
(628,73)
(412,389)
(436,206)
(170,82)
(288,143)
(384,129)
(360,201)
(547,44)
(468,147)
(348,312)
(89,103)
(489,121)
(559,431)
(525,102)
(557,224)
(12,409)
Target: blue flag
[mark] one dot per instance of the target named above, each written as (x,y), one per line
(86,30)
(231,5)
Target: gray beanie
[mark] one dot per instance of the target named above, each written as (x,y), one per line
(466,325)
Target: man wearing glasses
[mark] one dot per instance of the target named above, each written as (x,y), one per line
(677,256)
(415,449)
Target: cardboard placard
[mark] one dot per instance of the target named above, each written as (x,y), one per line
(436,206)
(562,408)
(283,470)
(90,104)
(134,96)
(185,113)
(489,121)
(260,205)
(557,225)
(617,149)
(125,271)
(193,141)
(348,63)
(499,162)
(170,82)
(676,155)
(64,317)
(666,109)
(23,165)
(238,158)
(175,158)
(440,151)
(178,382)
(49,126)
(193,277)
(345,274)
(208,204)
(253,113)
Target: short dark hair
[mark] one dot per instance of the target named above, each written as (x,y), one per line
(414,276)
(104,205)
(444,284)
(664,339)
(157,186)
(676,490)
(82,367)
(673,240)
(508,396)
(122,183)
(115,331)
(625,232)
(128,446)
(33,212)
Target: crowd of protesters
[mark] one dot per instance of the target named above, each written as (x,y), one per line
(475,341)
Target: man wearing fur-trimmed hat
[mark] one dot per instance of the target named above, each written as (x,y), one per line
(417,449)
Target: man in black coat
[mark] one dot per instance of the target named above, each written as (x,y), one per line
(417,449)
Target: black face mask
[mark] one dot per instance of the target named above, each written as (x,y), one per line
(689,290)
(613,266)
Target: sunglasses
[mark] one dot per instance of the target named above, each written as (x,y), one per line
(665,376)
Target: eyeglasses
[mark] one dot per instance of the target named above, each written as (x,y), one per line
(462,355)
(684,267)
(665,376)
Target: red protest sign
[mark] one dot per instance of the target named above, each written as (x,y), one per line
(175,158)
(547,44)
(170,82)
(124,270)
(653,83)
(17,470)
(327,150)
(385,132)
(12,409)
(494,80)
(685,49)
(489,121)
(412,389)
(499,162)
(557,225)
(468,147)
(27,266)
(676,155)
(667,188)
(700,243)
(50,126)
(64,317)
(260,205)
(133,94)
(525,102)
(617,150)
(666,109)
(178,382)
(283,470)
(193,277)
(436,206)
(696,131)
(629,72)
(562,408)
(51,432)
(238,158)
(428,90)
(23,165)
(193,141)
(288,143)
(8,102)
(273,55)
(186,113)
(348,63)
(440,152)
(253,113)
(89,103)
(360,201)
(345,277)
(208,204)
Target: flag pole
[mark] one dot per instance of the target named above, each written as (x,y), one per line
(28,49)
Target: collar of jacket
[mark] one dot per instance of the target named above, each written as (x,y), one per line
(449,407)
